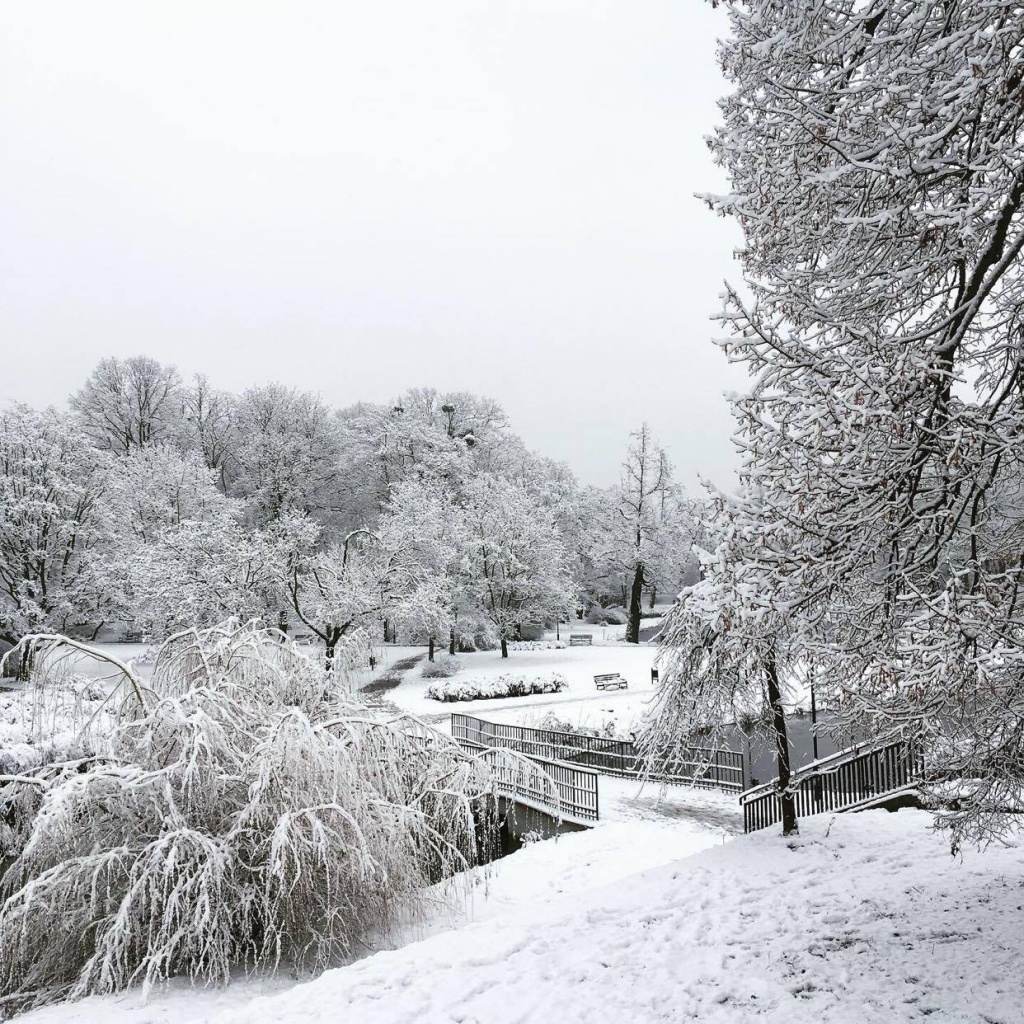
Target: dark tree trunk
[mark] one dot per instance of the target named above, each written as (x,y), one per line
(331,644)
(789,823)
(451,642)
(385,631)
(430,649)
(504,647)
(635,599)
(654,597)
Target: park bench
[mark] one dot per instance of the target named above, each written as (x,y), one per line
(611,681)
(580,639)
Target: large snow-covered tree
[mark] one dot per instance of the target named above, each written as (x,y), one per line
(238,810)
(286,453)
(208,426)
(517,564)
(876,158)
(53,523)
(128,403)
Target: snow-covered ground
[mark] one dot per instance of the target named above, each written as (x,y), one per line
(579,665)
(863,918)
(662,912)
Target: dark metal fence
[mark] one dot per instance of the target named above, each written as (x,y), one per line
(707,768)
(836,783)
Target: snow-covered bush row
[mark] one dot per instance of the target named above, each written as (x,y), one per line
(499,686)
(537,645)
(443,667)
(240,811)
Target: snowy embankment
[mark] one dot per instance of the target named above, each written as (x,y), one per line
(863,918)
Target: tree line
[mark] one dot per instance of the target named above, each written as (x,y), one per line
(153,504)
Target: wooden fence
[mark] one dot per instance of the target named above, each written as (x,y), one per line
(836,783)
(707,768)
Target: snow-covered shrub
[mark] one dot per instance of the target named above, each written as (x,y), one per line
(442,667)
(611,730)
(607,616)
(537,645)
(241,811)
(498,686)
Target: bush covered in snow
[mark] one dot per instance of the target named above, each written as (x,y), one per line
(611,730)
(498,686)
(442,667)
(537,645)
(240,811)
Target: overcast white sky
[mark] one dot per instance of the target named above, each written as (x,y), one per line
(360,197)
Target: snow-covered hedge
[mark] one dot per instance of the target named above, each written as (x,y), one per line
(537,645)
(240,811)
(498,686)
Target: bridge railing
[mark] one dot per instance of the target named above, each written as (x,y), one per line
(705,767)
(564,791)
(836,783)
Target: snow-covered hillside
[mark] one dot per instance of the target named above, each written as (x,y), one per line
(864,918)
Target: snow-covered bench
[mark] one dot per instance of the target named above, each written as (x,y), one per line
(580,639)
(611,681)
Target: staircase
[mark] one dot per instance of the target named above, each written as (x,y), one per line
(850,780)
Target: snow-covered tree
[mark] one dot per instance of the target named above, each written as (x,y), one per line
(180,550)
(876,158)
(424,523)
(207,426)
(287,453)
(336,589)
(52,526)
(517,563)
(128,403)
(645,539)
(240,813)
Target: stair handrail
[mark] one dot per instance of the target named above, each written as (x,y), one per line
(822,766)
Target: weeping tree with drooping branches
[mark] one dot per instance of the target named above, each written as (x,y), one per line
(240,810)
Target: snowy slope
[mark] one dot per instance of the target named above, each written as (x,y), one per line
(864,918)
(867,920)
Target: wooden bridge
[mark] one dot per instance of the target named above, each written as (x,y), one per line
(850,780)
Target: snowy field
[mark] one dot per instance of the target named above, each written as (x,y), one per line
(864,918)
(582,701)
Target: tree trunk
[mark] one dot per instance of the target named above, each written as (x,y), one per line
(385,631)
(504,646)
(635,599)
(430,649)
(451,642)
(789,823)
(329,663)
(654,597)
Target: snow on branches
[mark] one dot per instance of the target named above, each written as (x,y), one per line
(244,811)
(876,158)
